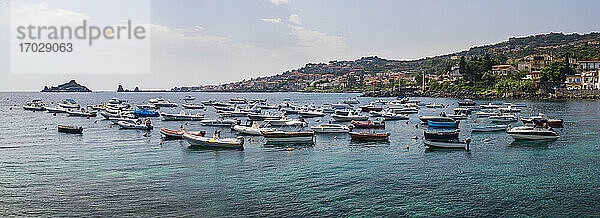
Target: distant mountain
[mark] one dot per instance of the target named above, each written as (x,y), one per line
(71,86)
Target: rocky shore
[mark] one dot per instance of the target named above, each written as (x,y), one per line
(71,86)
(549,95)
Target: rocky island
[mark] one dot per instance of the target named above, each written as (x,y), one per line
(71,86)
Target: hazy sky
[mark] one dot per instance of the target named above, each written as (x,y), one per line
(209,42)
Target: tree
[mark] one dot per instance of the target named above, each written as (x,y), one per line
(556,72)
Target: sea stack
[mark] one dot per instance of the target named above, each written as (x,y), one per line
(71,86)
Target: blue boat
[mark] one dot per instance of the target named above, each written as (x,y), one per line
(145,113)
(442,124)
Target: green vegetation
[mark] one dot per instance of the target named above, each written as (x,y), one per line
(556,72)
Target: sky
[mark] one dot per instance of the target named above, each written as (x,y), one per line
(195,42)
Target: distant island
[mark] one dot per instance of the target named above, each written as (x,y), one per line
(137,89)
(71,86)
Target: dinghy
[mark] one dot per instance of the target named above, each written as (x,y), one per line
(330,128)
(364,136)
(137,125)
(220,122)
(288,137)
(447,144)
(214,142)
(182,116)
(70,129)
(178,134)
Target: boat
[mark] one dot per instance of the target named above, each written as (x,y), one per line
(311,113)
(351,116)
(504,118)
(178,134)
(264,116)
(189,98)
(268,107)
(214,142)
(446,135)
(410,110)
(98,107)
(365,136)
(509,109)
(487,113)
(289,137)
(220,122)
(326,108)
(555,123)
(116,101)
(258,100)
(235,113)
(70,129)
(330,128)
(35,105)
(56,110)
(515,105)
(160,102)
(458,116)
(532,133)
(442,124)
(489,106)
(395,116)
(378,113)
(115,120)
(69,103)
(145,113)
(238,101)
(253,128)
(181,116)
(434,105)
(489,128)
(447,143)
(351,101)
(82,113)
(284,122)
(221,104)
(462,110)
(223,108)
(425,119)
(341,106)
(370,107)
(466,102)
(368,124)
(208,102)
(147,125)
(147,106)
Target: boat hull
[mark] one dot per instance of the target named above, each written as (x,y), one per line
(444,144)
(213,143)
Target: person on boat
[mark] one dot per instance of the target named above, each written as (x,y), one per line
(217,134)
(148,122)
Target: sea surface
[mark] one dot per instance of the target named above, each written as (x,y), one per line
(112,172)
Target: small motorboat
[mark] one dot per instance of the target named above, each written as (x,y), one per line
(341,106)
(224,108)
(69,103)
(98,107)
(462,110)
(370,107)
(238,101)
(35,105)
(116,101)
(258,100)
(541,118)
(160,102)
(181,116)
(284,122)
(395,116)
(221,104)
(147,106)
(189,98)
(70,129)
(264,116)
(56,109)
(147,125)
(82,113)
(208,102)
(326,108)
(442,124)
(311,113)
(458,116)
(489,128)
(445,135)
(509,109)
(352,101)
(410,110)
(515,105)
(365,136)
(145,113)
(214,142)
(351,116)
(503,118)
(532,133)
(220,122)
(330,128)
(268,107)
(253,128)
(178,134)
(466,102)
(378,113)
(434,105)
(289,137)
(447,143)
(489,106)
(425,119)
(368,124)
(487,113)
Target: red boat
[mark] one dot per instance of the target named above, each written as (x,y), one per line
(554,123)
(364,136)
(178,134)
(367,124)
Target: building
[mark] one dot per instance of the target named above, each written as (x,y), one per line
(573,81)
(503,70)
(590,80)
(533,75)
(533,63)
(588,65)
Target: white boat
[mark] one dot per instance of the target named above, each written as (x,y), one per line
(489,106)
(393,116)
(238,101)
(434,105)
(504,118)
(447,144)
(214,142)
(457,116)
(411,110)
(189,98)
(147,106)
(69,103)
(341,106)
(220,122)
(351,101)
(137,125)
(254,129)
(330,128)
(235,113)
(326,108)
(264,116)
(489,128)
(115,101)
(56,109)
(378,113)
(487,113)
(182,116)
(208,102)
(160,102)
(193,106)
(288,137)
(351,116)
(78,113)
(266,106)
(509,109)
(311,113)
(35,105)
(532,133)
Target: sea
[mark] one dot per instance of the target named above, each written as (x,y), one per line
(108,171)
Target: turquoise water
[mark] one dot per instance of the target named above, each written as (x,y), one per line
(107,171)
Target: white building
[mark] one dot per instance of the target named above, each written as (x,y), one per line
(588,65)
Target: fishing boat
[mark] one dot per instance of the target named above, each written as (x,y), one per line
(178,134)
(56,110)
(365,136)
(425,119)
(441,135)
(70,129)
(145,113)
(489,128)
(181,116)
(532,133)
(442,124)
(279,136)
(370,107)
(189,98)
(311,113)
(220,122)
(35,105)
(395,116)
(147,125)
(214,142)
(504,118)
(193,106)
(68,103)
(368,124)
(82,113)
(351,116)
(330,128)
(447,143)
(466,102)
(351,101)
